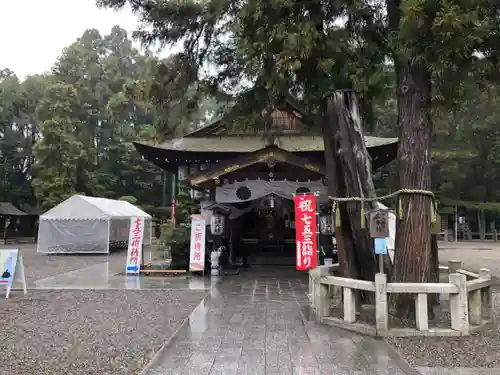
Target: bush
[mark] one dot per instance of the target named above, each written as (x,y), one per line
(177,238)
(174,243)
(129,198)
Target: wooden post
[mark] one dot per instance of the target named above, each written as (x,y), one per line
(434,258)
(459,304)
(486,295)
(349,305)
(454,266)
(381,310)
(421,311)
(475,307)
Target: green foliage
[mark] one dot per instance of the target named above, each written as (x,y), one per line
(72,130)
(58,152)
(128,198)
(177,238)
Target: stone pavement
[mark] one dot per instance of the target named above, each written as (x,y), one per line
(255,323)
(474,255)
(458,371)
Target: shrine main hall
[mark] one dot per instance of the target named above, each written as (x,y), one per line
(246,180)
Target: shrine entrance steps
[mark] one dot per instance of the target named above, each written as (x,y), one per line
(257,323)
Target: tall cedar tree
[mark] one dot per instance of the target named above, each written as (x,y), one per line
(310,47)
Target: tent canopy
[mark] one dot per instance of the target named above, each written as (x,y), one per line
(80,207)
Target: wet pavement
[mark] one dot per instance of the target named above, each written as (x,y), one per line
(253,323)
(256,323)
(104,276)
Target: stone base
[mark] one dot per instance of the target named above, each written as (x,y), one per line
(364,329)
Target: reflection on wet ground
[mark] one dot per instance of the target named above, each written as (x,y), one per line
(103,276)
(252,323)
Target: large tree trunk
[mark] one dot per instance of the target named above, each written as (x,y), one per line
(413,234)
(347,265)
(354,176)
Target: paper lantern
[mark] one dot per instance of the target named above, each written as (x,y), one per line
(326,224)
(217,224)
(182,172)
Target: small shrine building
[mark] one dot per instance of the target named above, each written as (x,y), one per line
(245,182)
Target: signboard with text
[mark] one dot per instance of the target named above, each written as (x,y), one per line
(134,252)
(11,269)
(197,246)
(306,227)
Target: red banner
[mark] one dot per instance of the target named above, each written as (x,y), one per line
(306,226)
(172,213)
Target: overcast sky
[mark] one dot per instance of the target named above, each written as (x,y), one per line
(34,32)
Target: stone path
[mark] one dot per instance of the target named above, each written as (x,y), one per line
(458,371)
(254,324)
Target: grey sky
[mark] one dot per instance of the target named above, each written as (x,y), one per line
(34,32)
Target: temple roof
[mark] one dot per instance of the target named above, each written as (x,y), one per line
(293,130)
(219,126)
(249,143)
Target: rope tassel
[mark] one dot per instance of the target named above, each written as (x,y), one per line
(433,211)
(363,215)
(400,209)
(337,216)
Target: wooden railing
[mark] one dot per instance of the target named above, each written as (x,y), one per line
(474,236)
(470,301)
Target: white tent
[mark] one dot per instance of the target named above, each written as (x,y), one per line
(83,224)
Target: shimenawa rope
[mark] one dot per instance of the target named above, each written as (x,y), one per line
(397,194)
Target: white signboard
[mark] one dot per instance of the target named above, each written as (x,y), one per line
(134,252)
(197,248)
(11,269)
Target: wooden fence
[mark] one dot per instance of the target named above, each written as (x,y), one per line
(470,300)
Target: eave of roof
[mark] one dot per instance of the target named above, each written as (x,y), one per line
(242,144)
(8,209)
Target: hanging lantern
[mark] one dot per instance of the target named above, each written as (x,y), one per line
(193,168)
(182,172)
(326,224)
(217,224)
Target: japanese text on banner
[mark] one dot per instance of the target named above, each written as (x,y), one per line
(197,250)
(134,254)
(306,231)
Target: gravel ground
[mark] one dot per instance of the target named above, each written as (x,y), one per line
(38,266)
(481,349)
(88,332)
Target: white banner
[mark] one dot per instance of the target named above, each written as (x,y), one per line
(197,246)
(11,268)
(134,252)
